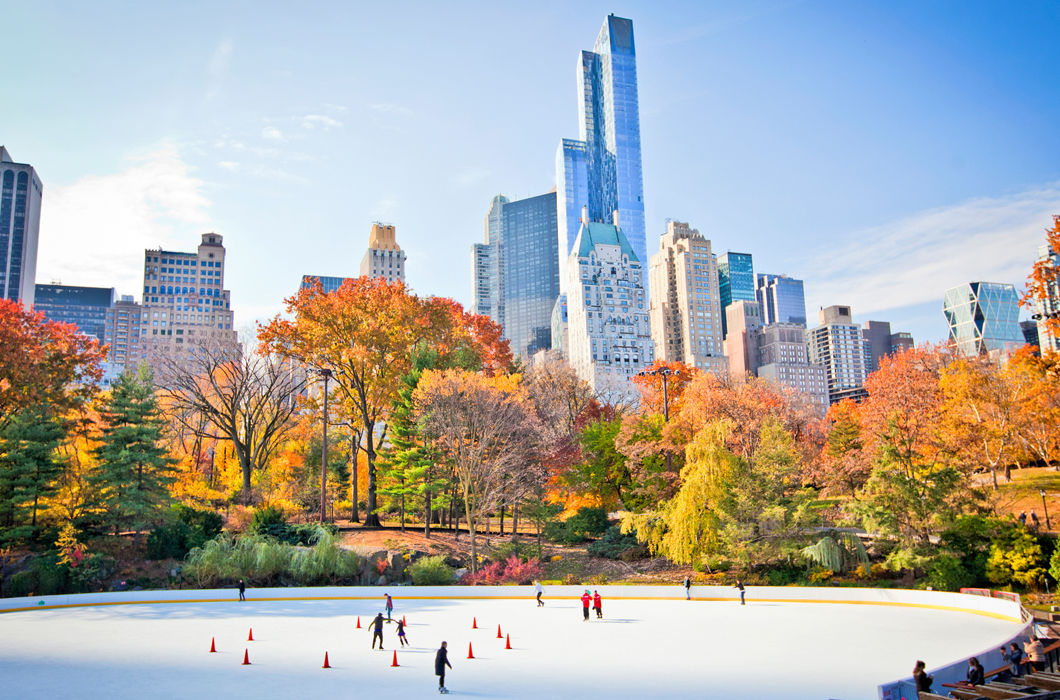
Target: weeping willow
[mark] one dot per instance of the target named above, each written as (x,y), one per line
(838,552)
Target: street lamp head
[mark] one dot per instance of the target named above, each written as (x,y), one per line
(1041,492)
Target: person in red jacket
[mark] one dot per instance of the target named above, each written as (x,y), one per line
(598,605)
(586,599)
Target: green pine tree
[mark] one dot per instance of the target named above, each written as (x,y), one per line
(134,471)
(28,469)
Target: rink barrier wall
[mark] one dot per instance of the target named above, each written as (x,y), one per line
(997,608)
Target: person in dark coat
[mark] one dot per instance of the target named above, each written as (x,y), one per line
(441,660)
(242,590)
(1015,659)
(377,626)
(921,678)
(401,632)
(688,588)
(586,600)
(739,587)
(975,672)
(598,605)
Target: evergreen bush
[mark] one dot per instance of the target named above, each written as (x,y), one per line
(431,571)
(613,544)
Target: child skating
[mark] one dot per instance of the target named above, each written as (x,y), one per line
(401,632)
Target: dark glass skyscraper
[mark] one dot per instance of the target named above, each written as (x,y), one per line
(602,170)
(85,307)
(782,299)
(20,196)
(736,281)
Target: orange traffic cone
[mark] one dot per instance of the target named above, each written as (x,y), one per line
(250,636)
(326,664)
(474,623)
(499,635)
(403,621)
(470,654)
(508,641)
(394,662)
(358,622)
(246,657)
(213,647)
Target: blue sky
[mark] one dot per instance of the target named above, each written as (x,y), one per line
(880,151)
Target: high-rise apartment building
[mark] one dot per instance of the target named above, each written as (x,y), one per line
(783,357)
(685,311)
(607,311)
(85,307)
(736,281)
(983,318)
(837,344)
(20,198)
(782,299)
(516,271)
(185,303)
(1047,340)
(601,170)
(742,342)
(384,258)
(122,332)
(880,341)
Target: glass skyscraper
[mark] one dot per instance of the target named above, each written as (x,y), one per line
(736,281)
(20,197)
(782,299)
(983,317)
(516,275)
(602,169)
(85,307)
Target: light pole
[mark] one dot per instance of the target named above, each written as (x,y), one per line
(665,373)
(326,374)
(1045,507)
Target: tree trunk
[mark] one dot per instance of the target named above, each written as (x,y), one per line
(472,526)
(371,518)
(502,522)
(427,507)
(515,521)
(354,447)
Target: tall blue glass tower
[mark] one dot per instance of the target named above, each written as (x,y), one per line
(782,299)
(736,281)
(601,171)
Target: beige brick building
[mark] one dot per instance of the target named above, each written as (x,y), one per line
(685,309)
(384,257)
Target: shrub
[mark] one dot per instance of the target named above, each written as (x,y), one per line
(189,528)
(506,550)
(514,570)
(589,522)
(431,571)
(44,576)
(1015,557)
(946,573)
(613,544)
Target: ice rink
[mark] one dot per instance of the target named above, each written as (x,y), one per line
(642,648)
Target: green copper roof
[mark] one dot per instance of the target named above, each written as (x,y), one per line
(593,233)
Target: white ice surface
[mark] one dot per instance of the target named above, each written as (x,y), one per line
(642,649)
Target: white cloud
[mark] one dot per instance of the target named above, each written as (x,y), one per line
(230,165)
(271,133)
(916,259)
(311,121)
(94,231)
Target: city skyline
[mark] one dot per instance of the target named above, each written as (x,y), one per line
(151,167)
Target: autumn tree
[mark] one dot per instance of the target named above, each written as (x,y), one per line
(844,464)
(245,397)
(134,471)
(486,430)
(662,385)
(1041,291)
(366,333)
(1038,426)
(44,362)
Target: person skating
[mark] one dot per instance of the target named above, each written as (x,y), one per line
(441,660)
(401,632)
(539,590)
(688,588)
(598,605)
(586,600)
(739,587)
(377,626)
(389,605)
(242,590)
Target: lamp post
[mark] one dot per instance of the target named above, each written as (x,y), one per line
(326,374)
(665,373)
(1045,507)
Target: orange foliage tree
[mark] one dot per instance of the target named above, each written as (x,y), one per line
(1038,427)
(1043,279)
(655,385)
(366,332)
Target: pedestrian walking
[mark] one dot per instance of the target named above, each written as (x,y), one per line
(242,590)
(586,600)
(688,588)
(539,590)
(401,632)
(739,587)
(377,626)
(598,605)
(389,605)
(441,660)
(1034,520)
(1023,518)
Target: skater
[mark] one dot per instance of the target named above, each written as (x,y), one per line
(921,678)
(539,590)
(688,588)
(586,599)
(401,632)
(389,605)
(598,605)
(377,625)
(739,587)
(242,590)
(441,660)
